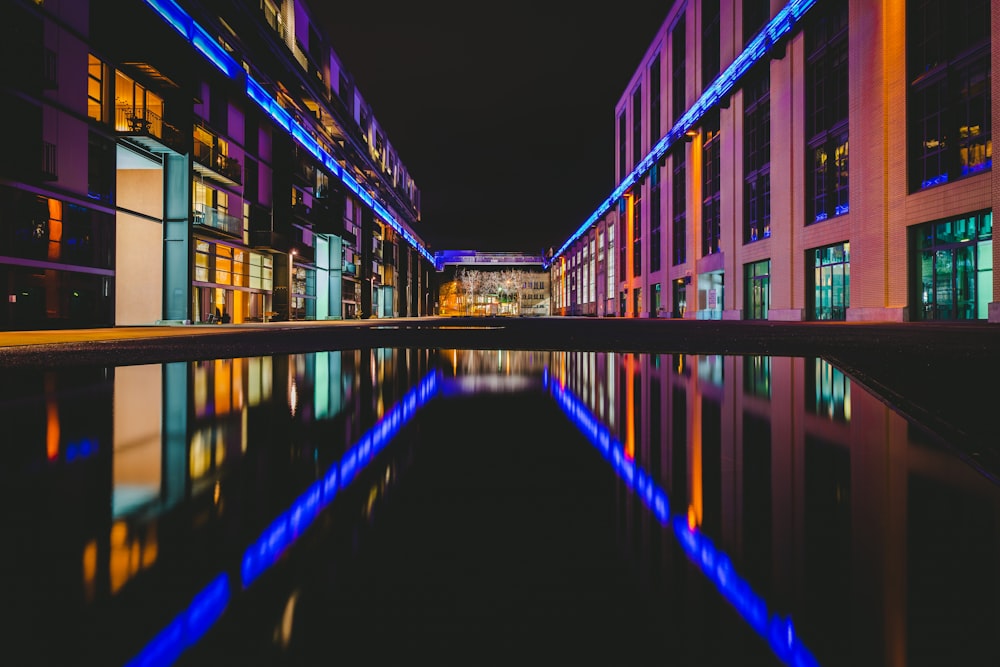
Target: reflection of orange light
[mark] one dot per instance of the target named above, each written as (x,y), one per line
(51,420)
(692,517)
(630,363)
(696,482)
(90,570)
(223,387)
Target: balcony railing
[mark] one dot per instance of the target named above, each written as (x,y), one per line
(142,123)
(206,216)
(223,165)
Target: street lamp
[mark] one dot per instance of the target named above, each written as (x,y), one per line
(372,312)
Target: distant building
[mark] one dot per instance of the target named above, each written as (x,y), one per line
(165,161)
(815,160)
(491,284)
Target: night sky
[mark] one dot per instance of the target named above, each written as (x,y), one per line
(502,114)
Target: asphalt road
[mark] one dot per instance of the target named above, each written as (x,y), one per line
(945,375)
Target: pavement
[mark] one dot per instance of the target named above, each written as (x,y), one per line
(946,375)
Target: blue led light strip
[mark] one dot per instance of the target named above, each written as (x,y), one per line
(782,24)
(203,42)
(714,563)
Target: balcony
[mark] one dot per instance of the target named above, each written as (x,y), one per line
(149,130)
(209,162)
(216,220)
(268,239)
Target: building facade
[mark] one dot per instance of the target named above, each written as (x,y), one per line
(484,284)
(808,160)
(196,162)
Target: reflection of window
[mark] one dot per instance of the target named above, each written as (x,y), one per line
(757,376)
(828,391)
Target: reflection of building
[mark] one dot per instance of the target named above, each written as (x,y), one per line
(196,166)
(821,495)
(799,160)
(491,283)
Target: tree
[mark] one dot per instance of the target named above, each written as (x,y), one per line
(470,282)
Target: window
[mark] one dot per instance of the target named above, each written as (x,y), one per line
(622,149)
(202,261)
(677,75)
(955,259)
(711,214)
(680,298)
(655,251)
(755,15)
(654,100)
(826,114)
(757,158)
(831,282)
(592,288)
(757,283)
(949,99)
(636,126)
(611,260)
(100,168)
(96,75)
(623,219)
(679,197)
(636,233)
(710,41)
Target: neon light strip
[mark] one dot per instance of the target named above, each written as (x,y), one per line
(759,46)
(714,563)
(203,42)
(193,622)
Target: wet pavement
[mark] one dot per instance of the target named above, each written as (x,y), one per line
(944,375)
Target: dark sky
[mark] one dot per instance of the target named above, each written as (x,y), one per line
(502,114)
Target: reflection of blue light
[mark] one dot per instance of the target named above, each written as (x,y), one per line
(771,35)
(978,167)
(189,626)
(714,563)
(80,450)
(937,180)
(285,529)
(203,42)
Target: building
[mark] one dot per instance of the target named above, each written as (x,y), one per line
(815,160)
(508,284)
(194,161)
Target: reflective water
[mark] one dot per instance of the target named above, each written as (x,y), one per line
(469,507)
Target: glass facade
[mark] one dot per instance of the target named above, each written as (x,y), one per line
(955,274)
(831,282)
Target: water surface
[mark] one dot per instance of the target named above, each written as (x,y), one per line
(399,506)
